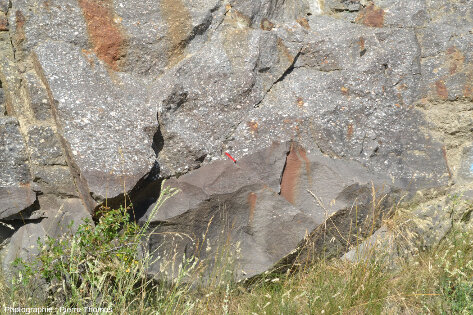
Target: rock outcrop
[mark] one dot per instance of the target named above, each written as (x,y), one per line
(268,202)
(104,99)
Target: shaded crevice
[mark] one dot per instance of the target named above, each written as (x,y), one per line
(288,70)
(282,172)
(158,141)
(3,107)
(281,78)
(147,190)
(24,214)
(10,227)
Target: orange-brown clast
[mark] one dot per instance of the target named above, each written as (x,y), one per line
(300,102)
(253,125)
(266,25)
(441,89)
(291,175)
(455,60)
(468,91)
(361,42)
(350,131)
(105,35)
(372,16)
(20,25)
(304,23)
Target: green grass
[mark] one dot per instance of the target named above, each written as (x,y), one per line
(101,266)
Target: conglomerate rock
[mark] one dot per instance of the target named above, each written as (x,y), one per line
(106,98)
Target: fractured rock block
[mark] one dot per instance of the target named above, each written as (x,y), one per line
(265,204)
(38,97)
(44,146)
(55,180)
(13,156)
(104,119)
(15,178)
(23,242)
(13,200)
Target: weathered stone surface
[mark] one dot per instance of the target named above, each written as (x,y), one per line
(3,23)
(44,145)
(223,177)
(38,97)
(262,234)
(343,97)
(15,177)
(352,87)
(32,22)
(3,110)
(112,95)
(15,199)
(106,120)
(216,87)
(163,33)
(4,4)
(257,11)
(14,169)
(55,180)
(23,243)
(264,205)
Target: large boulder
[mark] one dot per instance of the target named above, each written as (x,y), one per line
(262,207)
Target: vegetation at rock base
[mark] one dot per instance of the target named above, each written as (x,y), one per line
(103,266)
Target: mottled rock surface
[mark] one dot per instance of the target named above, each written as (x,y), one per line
(101,99)
(15,177)
(267,203)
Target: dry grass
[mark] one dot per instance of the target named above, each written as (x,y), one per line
(433,281)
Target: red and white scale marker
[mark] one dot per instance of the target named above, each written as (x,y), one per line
(230,157)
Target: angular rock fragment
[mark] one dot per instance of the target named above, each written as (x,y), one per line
(15,178)
(54,223)
(45,147)
(106,120)
(263,207)
(13,200)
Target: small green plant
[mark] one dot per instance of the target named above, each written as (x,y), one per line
(98,265)
(84,263)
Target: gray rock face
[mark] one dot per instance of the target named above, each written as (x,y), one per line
(23,243)
(13,155)
(15,199)
(267,203)
(466,170)
(106,98)
(3,109)
(98,115)
(15,177)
